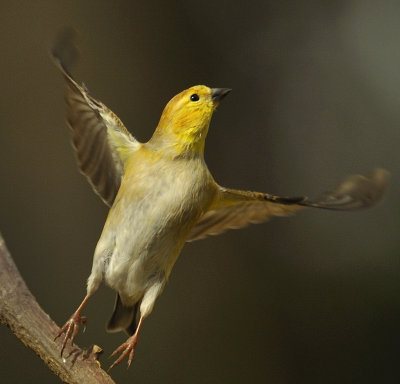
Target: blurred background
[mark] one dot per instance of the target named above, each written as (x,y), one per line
(313,298)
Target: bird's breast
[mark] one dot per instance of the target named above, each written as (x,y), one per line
(152,215)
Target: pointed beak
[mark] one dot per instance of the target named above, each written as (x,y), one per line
(219,93)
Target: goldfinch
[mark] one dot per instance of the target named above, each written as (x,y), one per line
(161,195)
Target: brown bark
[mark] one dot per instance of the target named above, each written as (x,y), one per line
(20,311)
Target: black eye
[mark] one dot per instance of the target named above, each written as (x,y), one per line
(194,97)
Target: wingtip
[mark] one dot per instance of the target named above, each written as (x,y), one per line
(355,192)
(64,51)
(380,177)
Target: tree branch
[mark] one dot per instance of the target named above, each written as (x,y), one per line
(20,311)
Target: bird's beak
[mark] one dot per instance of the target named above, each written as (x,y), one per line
(219,93)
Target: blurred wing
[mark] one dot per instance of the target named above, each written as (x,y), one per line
(101,141)
(355,192)
(236,209)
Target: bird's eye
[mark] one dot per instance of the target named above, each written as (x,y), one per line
(194,97)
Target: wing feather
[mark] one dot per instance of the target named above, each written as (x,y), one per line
(101,141)
(355,192)
(236,209)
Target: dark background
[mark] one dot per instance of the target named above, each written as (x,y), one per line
(313,298)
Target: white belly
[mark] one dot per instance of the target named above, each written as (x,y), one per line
(147,228)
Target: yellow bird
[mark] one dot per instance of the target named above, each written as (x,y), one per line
(161,194)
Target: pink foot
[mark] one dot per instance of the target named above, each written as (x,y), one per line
(127,348)
(71,328)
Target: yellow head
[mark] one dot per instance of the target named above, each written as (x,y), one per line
(185,120)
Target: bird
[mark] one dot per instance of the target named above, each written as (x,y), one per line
(161,195)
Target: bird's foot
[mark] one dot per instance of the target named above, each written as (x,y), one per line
(127,348)
(71,328)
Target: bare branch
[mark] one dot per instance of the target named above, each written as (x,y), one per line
(20,311)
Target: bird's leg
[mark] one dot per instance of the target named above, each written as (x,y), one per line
(71,327)
(127,348)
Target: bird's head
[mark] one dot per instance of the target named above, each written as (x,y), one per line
(185,120)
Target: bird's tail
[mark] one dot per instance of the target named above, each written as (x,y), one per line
(123,318)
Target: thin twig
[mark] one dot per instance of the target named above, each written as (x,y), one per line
(20,311)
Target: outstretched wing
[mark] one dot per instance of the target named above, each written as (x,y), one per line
(236,209)
(101,141)
(354,192)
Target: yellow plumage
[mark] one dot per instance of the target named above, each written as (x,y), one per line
(161,194)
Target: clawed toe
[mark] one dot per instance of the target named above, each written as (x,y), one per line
(127,348)
(71,328)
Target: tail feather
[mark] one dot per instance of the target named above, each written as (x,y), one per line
(123,318)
